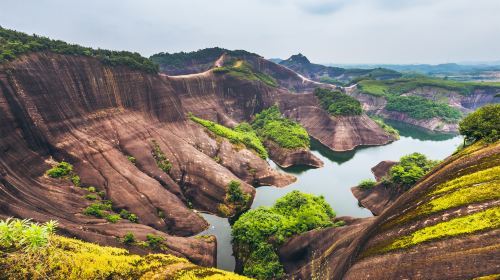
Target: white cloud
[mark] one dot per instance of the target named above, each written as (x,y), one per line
(356,31)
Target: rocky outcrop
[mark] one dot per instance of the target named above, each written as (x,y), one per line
(289,157)
(381,196)
(431,226)
(339,133)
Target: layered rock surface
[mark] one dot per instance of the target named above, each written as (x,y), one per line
(380,197)
(75,109)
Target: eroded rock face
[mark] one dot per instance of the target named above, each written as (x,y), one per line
(289,157)
(380,197)
(75,109)
(339,133)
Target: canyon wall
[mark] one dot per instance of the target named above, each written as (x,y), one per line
(75,109)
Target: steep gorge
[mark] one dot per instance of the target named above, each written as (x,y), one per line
(73,108)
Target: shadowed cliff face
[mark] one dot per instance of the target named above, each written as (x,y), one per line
(444,227)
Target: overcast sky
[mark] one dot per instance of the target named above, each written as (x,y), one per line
(327,31)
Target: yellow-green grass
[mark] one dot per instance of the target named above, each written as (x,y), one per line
(243,70)
(490,174)
(484,220)
(472,188)
(238,135)
(67,258)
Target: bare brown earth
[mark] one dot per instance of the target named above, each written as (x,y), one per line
(381,196)
(74,109)
(351,252)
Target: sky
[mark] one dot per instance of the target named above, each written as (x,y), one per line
(326,31)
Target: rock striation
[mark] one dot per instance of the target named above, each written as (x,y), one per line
(75,109)
(381,196)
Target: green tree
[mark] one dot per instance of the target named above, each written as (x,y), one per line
(484,123)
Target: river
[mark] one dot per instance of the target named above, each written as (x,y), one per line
(334,181)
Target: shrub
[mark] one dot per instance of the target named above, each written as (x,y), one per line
(91,196)
(410,169)
(367,184)
(76,180)
(60,170)
(132,159)
(270,125)
(129,238)
(258,233)
(484,123)
(24,235)
(97,209)
(161,159)
(337,103)
(235,194)
(113,218)
(153,241)
(124,214)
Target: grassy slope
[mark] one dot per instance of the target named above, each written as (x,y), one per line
(243,70)
(478,183)
(242,134)
(67,258)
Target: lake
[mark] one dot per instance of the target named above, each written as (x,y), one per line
(334,181)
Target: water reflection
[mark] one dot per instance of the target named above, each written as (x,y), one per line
(419,133)
(334,181)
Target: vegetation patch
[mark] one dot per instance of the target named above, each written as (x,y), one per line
(421,108)
(258,233)
(241,134)
(60,170)
(337,103)
(367,184)
(405,85)
(208,55)
(271,125)
(483,124)
(410,169)
(132,159)
(487,219)
(161,159)
(98,209)
(14,44)
(235,201)
(389,129)
(124,214)
(243,70)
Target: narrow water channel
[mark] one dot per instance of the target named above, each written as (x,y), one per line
(334,181)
